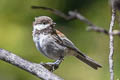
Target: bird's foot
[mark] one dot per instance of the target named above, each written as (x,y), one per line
(52,66)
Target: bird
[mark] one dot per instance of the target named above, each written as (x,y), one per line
(55,45)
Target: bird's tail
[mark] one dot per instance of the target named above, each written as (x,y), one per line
(88,61)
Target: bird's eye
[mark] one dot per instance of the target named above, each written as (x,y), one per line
(44,23)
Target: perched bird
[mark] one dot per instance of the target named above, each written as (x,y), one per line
(54,44)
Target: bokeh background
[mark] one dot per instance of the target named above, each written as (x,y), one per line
(16,17)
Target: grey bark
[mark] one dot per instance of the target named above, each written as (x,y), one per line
(33,68)
(111,45)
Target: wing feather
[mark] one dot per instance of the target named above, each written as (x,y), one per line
(63,40)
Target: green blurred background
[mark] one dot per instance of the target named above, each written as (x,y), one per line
(16,17)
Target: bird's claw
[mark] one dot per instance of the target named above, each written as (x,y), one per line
(50,66)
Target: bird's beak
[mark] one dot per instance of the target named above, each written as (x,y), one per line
(53,24)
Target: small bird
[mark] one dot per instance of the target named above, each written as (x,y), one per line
(54,44)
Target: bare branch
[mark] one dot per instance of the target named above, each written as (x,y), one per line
(33,68)
(73,15)
(98,30)
(111,44)
(54,11)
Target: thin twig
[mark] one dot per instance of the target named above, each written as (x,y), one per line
(111,65)
(54,11)
(73,15)
(36,69)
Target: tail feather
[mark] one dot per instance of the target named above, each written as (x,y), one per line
(89,61)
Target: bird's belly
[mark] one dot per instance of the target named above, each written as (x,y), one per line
(51,49)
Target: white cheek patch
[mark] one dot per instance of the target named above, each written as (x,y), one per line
(41,26)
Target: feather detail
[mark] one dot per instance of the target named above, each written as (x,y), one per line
(60,33)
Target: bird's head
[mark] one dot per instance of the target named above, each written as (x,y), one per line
(43,22)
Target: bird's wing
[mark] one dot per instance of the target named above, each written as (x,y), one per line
(63,40)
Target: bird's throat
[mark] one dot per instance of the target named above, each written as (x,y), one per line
(40,26)
(42,29)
